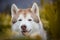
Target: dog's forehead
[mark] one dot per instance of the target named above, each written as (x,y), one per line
(24,11)
(22,16)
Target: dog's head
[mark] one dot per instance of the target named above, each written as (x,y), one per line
(25,20)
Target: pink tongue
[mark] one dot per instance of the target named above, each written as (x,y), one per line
(24,33)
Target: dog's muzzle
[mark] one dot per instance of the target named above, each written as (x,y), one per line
(23,27)
(24,30)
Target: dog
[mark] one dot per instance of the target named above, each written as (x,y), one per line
(27,22)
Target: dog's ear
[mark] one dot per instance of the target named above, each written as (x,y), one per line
(14,10)
(35,9)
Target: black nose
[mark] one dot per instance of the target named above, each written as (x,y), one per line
(23,27)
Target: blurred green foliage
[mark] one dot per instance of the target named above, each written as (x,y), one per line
(50,16)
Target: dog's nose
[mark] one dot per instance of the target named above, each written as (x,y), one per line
(23,27)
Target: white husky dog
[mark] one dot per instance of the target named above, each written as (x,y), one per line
(27,23)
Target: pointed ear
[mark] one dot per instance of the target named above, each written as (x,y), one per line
(13,10)
(35,9)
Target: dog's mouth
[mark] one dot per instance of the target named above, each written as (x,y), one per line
(23,31)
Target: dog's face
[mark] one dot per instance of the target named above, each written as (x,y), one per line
(25,20)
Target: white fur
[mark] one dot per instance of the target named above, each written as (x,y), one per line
(36,28)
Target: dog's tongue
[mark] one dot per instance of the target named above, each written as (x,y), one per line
(25,34)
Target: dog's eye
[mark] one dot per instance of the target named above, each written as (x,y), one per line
(20,19)
(29,19)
